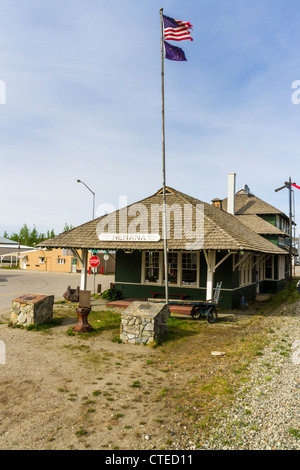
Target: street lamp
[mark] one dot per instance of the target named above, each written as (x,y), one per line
(79,181)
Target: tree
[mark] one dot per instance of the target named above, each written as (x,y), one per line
(29,237)
(50,234)
(67,227)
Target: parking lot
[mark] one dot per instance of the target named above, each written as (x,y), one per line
(14,283)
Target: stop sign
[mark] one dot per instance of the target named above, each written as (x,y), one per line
(94,261)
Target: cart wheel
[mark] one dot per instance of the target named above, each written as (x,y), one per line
(212,315)
(195,313)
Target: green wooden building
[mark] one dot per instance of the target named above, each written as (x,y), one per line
(206,245)
(263,218)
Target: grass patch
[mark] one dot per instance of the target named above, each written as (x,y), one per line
(81,432)
(136,384)
(46,327)
(295,433)
(100,321)
(288,295)
(105,320)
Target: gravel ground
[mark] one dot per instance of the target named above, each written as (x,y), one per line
(266,414)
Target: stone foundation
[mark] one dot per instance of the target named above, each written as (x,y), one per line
(144,322)
(32,309)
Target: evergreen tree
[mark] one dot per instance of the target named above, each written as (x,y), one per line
(29,237)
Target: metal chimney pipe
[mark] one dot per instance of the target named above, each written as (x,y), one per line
(231,193)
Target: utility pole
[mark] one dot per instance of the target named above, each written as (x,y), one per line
(289,186)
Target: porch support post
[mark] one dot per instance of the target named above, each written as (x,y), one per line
(210,257)
(76,254)
(83,278)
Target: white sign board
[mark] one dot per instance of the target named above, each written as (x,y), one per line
(129,237)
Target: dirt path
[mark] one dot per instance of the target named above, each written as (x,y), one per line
(86,395)
(69,392)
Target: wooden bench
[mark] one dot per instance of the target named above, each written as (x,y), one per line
(181,296)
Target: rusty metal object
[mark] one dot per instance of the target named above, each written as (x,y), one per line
(72,294)
(83,325)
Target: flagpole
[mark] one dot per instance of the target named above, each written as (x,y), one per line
(163,159)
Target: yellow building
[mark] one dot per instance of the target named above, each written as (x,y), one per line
(61,260)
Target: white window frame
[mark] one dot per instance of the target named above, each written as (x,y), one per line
(160,277)
(161,271)
(281,267)
(245,270)
(197,271)
(61,261)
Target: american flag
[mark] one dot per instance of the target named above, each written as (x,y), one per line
(176,30)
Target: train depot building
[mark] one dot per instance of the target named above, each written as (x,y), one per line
(206,243)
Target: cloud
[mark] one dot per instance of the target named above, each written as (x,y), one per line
(83,90)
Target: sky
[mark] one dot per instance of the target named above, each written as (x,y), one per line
(80,98)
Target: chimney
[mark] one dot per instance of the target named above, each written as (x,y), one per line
(231,193)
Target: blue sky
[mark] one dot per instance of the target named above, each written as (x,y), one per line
(83,101)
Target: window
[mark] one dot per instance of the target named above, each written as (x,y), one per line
(172,268)
(189,269)
(281,267)
(61,261)
(182,268)
(269,272)
(152,266)
(245,269)
(41,260)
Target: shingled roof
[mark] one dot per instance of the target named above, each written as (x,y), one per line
(250,204)
(222,231)
(259,225)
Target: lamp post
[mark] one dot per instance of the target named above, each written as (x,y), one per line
(79,181)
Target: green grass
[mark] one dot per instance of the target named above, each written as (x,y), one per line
(103,321)
(45,326)
(295,433)
(288,295)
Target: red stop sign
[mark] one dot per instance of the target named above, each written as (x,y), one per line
(94,261)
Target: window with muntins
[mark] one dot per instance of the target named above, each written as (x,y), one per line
(172,268)
(189,269)
(152,266)
(245,270)
(182,268)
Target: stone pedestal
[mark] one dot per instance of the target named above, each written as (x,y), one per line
(32,309)
(144,322)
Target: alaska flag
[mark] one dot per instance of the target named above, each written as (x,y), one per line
(174,52)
